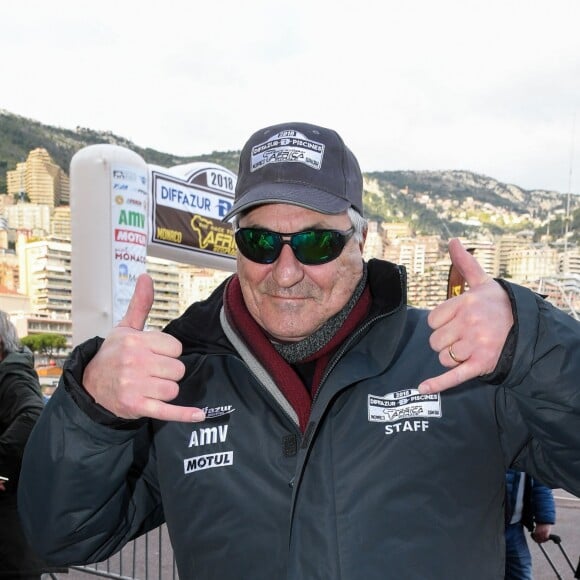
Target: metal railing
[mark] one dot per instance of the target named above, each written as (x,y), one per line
(149,557)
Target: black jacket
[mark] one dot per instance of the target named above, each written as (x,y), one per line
(20,407)
(384,484)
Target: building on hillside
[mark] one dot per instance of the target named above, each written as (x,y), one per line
(395,230)
(197,284)
(9,270)
(427,263)
(13,302)
(533,263)
(374,243)
(505,246)
(45,275)
(5,201)
(416,254)
(166,281)
(61,222)
(486,253)
(428,289)
(28,217)
(16,182)
(40,179)
(569,262)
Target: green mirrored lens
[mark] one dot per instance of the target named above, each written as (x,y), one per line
(259,245)
(317,246)
(312,247)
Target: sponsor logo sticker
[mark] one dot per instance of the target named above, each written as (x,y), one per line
(404,404)
(209,461)
(213,412)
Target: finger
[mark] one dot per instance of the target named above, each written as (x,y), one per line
(134,404)
(159,343)
(168,367)
(442,313)
(157,409)
(446,335)
(466,264)
(457,375)
(451,356)
(140,305)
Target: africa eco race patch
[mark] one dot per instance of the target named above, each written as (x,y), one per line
(288,146)
(405,404)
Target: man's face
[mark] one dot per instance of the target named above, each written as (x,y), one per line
(288,299)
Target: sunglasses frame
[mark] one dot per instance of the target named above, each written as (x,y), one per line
(282,238)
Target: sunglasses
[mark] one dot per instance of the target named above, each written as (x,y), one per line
(311,247)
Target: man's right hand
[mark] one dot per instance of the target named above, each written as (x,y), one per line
(135,372)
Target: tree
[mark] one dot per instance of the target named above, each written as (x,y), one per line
(44,343)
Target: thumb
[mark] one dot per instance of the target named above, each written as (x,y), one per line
(466,264)
(140,305)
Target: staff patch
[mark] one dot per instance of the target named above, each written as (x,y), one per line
(404,404)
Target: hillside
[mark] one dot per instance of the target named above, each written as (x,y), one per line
(434,202)
(19,135)
(461,202)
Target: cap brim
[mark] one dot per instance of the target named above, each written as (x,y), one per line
(293,194)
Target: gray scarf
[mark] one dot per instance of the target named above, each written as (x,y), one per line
(293,352)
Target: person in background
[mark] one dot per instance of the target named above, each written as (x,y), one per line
(303,422)
(20,406)
(531,505)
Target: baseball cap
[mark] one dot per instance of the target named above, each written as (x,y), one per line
(300,164)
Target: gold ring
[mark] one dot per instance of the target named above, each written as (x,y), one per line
(452,355)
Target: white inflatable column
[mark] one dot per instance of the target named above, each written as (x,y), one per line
(109,198)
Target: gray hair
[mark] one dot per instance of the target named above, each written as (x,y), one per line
(8,334)
(359,223)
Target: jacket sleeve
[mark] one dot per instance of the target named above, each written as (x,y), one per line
(85,488)
(539,400)
(544,504)
(21,406)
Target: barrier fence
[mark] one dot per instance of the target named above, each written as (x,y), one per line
(149,557)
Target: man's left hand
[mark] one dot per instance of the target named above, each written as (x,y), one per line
(469,330)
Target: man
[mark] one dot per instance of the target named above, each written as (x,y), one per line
(20,407)
(531,504)
(300,423)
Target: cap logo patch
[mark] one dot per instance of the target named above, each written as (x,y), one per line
(288,146)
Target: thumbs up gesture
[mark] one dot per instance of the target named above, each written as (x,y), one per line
(469,330)
(135,372)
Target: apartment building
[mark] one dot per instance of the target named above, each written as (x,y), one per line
(197,284)
(40,179)
(506,245)
(486,253)
(166,278)
(45,275)
(531,263)
(60,225)
(569,262)
(28,217)
(374,243)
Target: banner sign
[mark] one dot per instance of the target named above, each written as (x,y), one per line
(188,205)
(129,233)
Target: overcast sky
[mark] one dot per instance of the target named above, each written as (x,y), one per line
(491,87)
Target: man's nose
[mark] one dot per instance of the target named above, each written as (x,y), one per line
(287,269)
